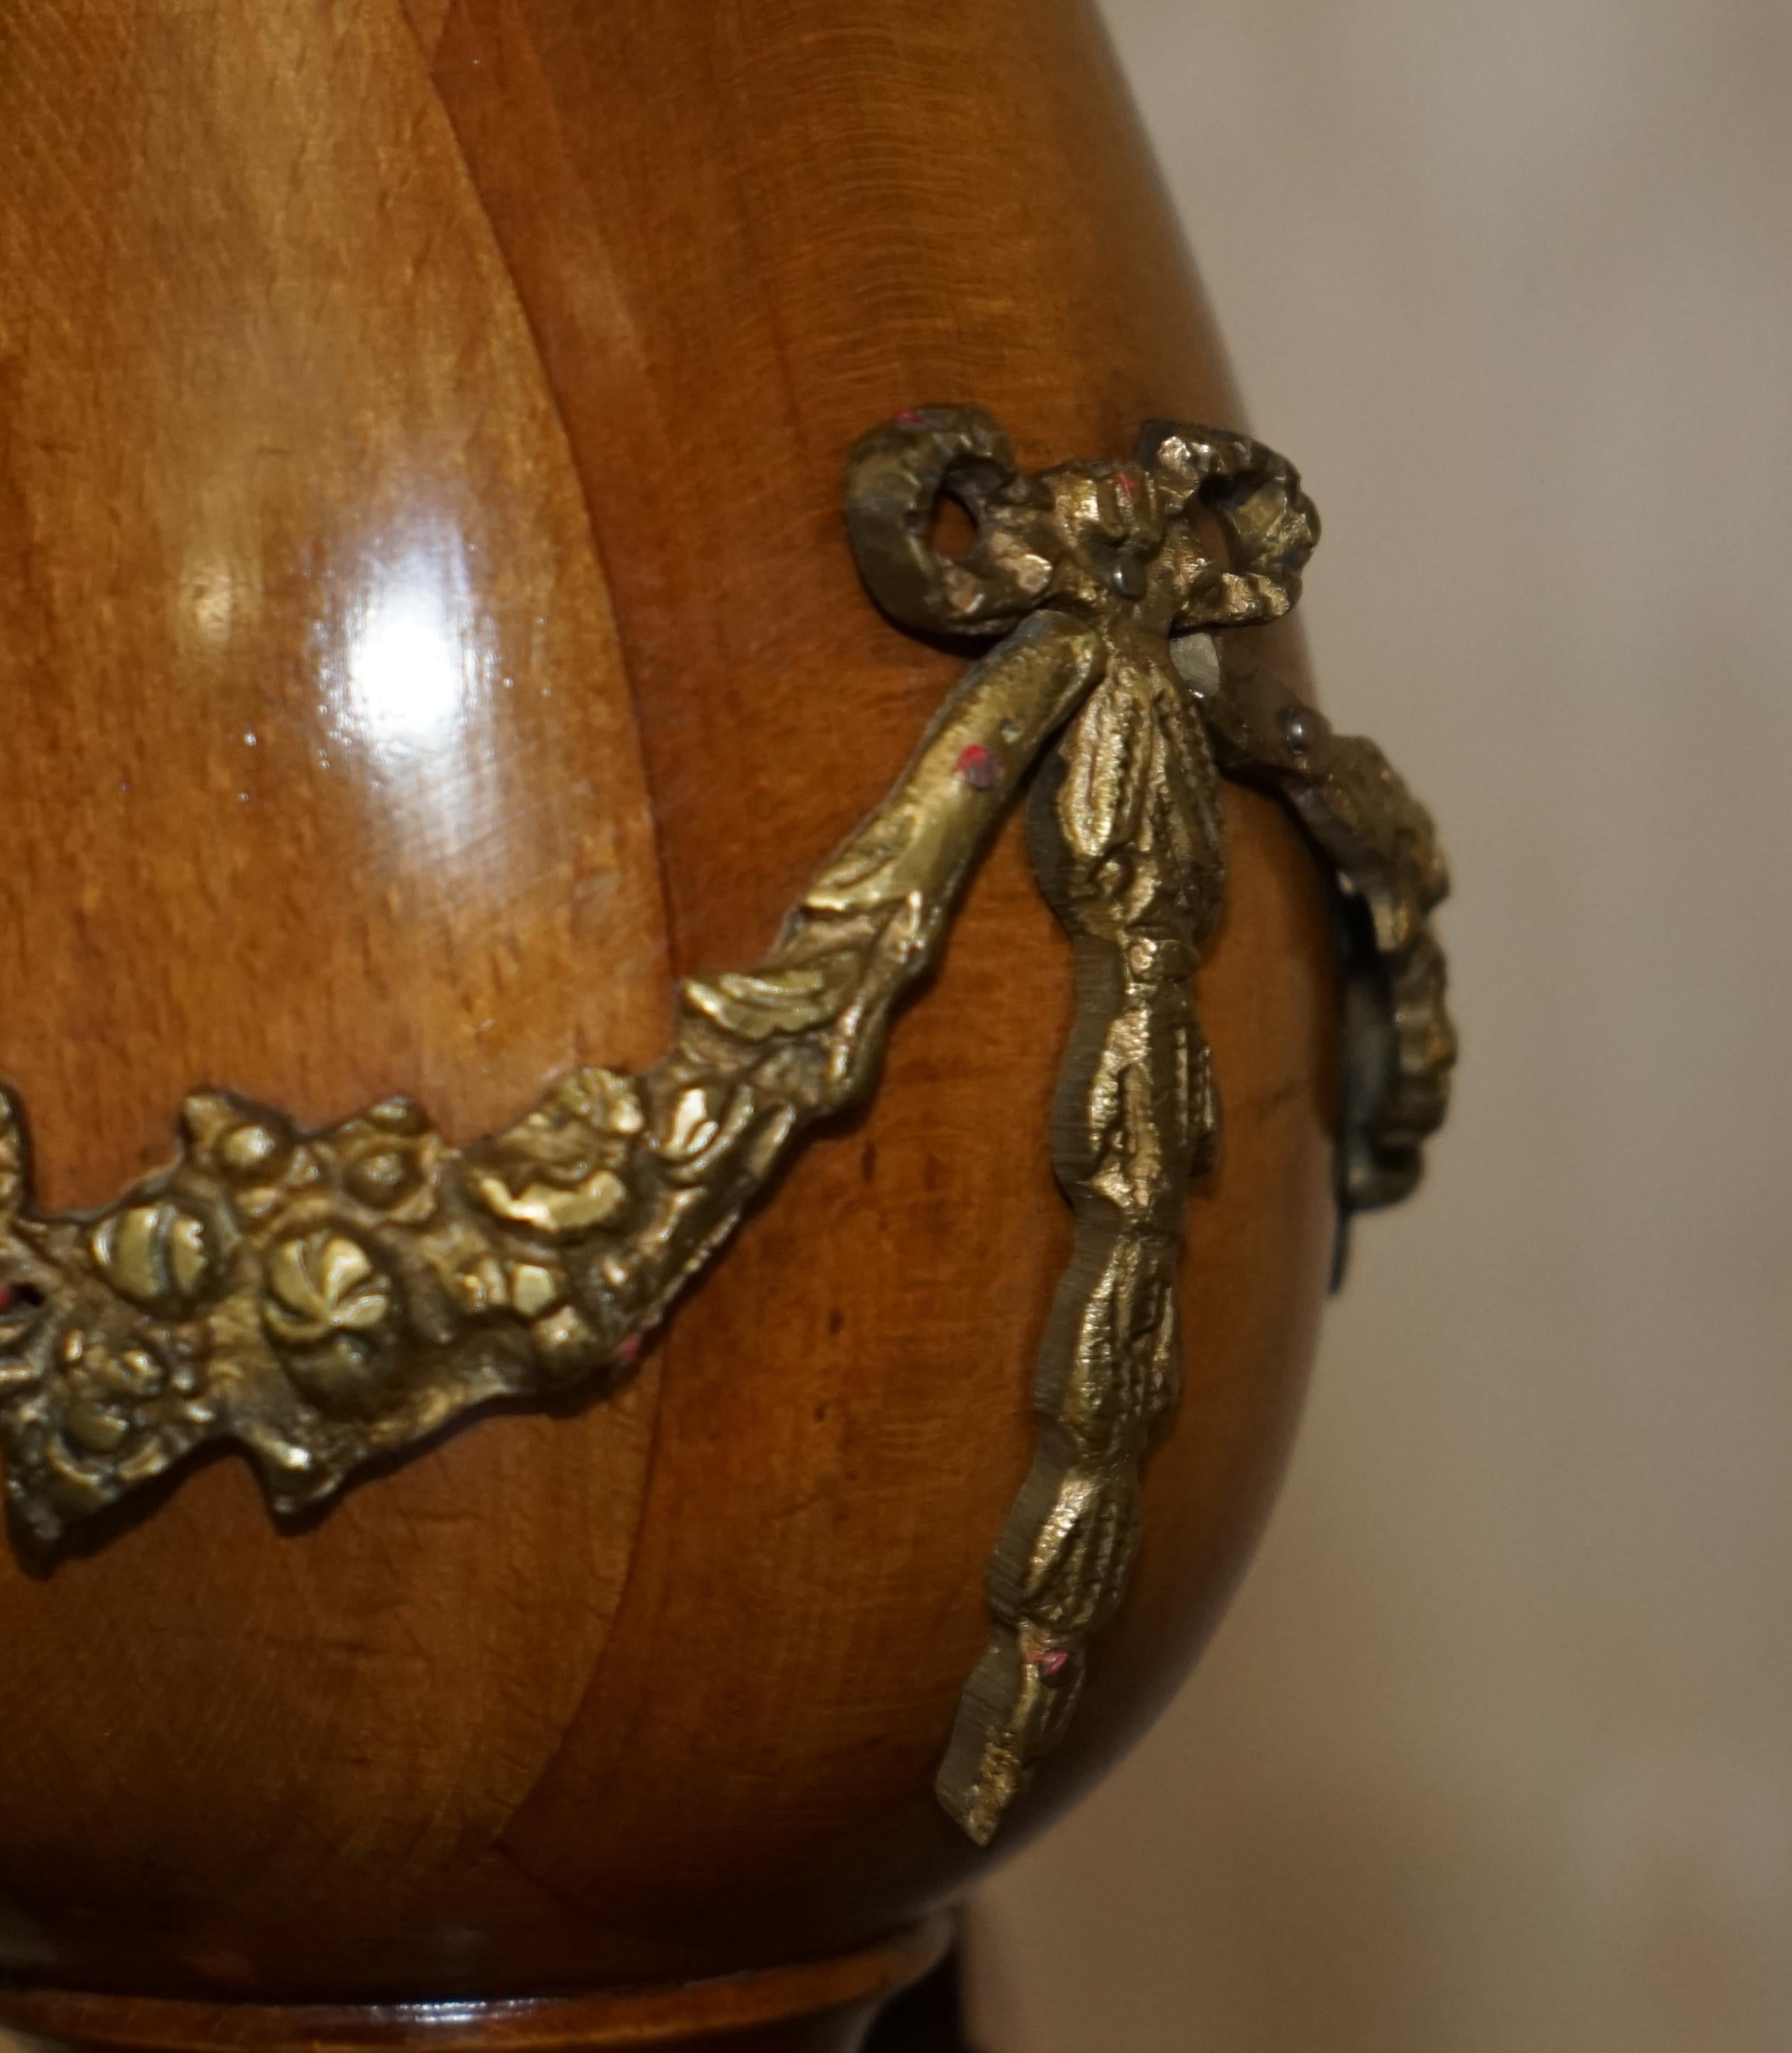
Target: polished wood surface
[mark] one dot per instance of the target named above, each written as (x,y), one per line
(822,2006)
(427,628)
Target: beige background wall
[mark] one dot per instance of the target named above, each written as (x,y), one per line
(1495,1751)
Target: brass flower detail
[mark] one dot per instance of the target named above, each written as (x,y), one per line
(323,1283)
(153,1253)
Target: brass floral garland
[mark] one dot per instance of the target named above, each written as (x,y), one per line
(324,1299)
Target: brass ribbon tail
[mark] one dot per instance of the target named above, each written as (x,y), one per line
(1126,836)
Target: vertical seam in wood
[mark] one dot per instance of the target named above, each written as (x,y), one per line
(670,955)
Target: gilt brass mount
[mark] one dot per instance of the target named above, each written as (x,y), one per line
(326,1298)
(1103,564)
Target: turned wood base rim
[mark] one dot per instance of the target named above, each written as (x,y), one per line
(643,2016)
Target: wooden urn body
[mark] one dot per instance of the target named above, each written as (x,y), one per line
(427,630)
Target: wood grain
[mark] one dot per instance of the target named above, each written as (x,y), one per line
(453,399)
